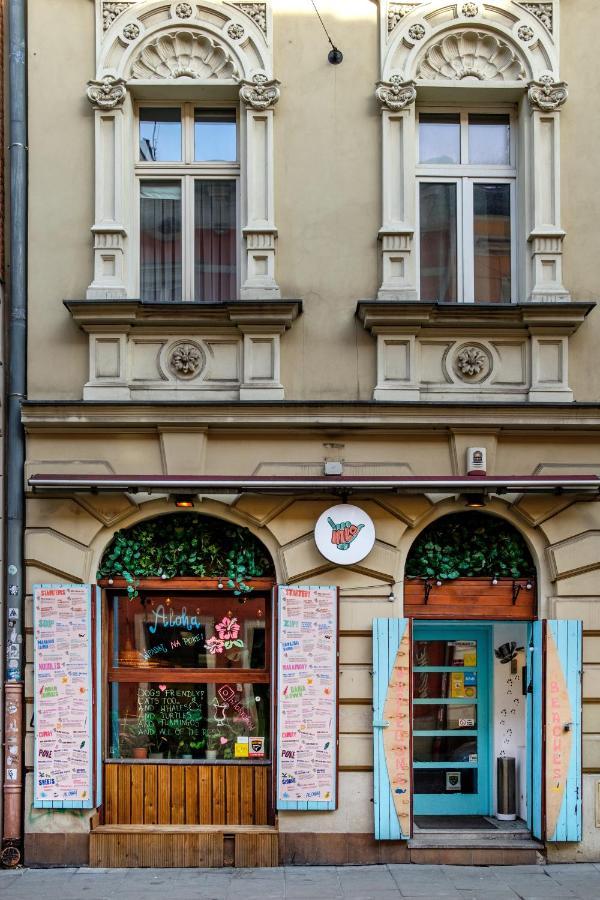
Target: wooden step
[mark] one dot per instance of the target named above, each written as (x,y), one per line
(184,846)
(474,856)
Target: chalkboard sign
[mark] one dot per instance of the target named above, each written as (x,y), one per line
(63,687)
(307,698)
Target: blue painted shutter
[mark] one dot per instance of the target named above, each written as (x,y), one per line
(563,730)
(392,726)
(555,708)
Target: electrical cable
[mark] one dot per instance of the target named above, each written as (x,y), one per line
(335,56)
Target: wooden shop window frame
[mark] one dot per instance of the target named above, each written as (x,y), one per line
(262,587)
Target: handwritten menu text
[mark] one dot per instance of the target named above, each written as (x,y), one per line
(63,689)
(307,687)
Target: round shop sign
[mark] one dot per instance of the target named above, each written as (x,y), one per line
(344,534)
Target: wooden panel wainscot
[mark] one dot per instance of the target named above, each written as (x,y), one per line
(161,794)
(471,598)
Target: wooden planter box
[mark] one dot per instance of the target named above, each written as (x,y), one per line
(185,584)
(471,598)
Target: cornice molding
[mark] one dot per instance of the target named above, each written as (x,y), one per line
(129,314)
(567,316)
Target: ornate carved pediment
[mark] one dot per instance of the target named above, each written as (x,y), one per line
(183,54)
(470,54)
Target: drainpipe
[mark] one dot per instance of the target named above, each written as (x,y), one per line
(14,732)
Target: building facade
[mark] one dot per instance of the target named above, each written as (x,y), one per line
(265,284)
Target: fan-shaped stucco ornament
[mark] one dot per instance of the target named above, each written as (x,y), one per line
(183,54)
(470,54)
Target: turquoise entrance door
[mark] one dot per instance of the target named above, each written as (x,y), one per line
(451,722)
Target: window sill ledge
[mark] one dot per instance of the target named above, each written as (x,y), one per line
(275,314)
(566,315)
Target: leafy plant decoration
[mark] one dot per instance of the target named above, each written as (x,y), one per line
(183,544)
(469,544)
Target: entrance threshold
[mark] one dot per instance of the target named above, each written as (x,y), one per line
(489,842)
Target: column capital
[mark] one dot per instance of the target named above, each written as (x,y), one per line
(261,92)
(108,93)
(396,94)
(547,95)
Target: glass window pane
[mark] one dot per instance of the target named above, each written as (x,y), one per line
(445,781)
(491,235)
(190,721)
(444,716)
(194,631)
(160,240)
(437,204)
(445,653)
(489,140)
(215,135)
(436,748)
(160,134)
(444,685)
(439,138)
(215,257)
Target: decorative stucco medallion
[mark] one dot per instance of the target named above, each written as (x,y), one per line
(131,32)
(235,31)
(184,11)
(470,10)
(186,360)
(416,32)
(472,362)
(525,32)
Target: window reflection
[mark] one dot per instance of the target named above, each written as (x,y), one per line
(439,138)
(215,135)
(491,234)
(438,260)
(489,140)
(160,134)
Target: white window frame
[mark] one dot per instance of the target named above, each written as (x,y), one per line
(187,171)
(465,175)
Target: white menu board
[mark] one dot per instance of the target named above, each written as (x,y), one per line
(307,697)
(63,682)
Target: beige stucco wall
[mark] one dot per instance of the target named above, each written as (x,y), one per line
(328,203)
(328,163)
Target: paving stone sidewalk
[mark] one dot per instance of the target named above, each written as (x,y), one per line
(577,882)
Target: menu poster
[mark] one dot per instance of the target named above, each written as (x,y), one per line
(63,684)
(307,697)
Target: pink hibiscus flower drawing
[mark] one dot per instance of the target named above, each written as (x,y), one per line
(214,645)
(228,630)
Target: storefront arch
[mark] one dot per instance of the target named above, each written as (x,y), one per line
(533,537)
(153,509)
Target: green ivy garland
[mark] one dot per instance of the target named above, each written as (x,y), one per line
(183,544)
(469,544)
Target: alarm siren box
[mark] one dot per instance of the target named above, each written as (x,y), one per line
(476,461)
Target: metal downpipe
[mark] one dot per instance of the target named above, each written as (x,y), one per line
(13,771)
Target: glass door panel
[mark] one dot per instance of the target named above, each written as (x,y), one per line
(451,727)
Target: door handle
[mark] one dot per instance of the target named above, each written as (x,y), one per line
(380,724)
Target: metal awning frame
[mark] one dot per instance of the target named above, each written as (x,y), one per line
(341,485)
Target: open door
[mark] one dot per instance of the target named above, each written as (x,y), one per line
(555,709)
(392,728)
